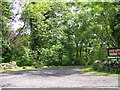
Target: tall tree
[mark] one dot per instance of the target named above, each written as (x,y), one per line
(5,30)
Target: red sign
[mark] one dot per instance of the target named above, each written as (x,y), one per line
(114,51)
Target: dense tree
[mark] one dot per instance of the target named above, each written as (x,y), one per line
(5,30)
(72,33)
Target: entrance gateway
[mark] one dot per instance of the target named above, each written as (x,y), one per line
(114,53)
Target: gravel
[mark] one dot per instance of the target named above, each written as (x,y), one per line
(60,77)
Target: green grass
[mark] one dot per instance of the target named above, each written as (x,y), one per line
(90,70)
(25,68)
(18,69)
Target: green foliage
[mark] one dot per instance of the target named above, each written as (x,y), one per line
(52,56)
(23,56)
(5,31)
(73,33)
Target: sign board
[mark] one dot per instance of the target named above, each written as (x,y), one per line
(114,52)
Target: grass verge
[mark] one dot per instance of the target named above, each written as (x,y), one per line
(18,69)
(90,70)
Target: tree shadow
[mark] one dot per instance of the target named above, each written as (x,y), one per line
(55,72)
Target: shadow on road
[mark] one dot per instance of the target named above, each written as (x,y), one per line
(57,72)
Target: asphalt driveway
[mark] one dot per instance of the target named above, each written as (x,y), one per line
(60,77)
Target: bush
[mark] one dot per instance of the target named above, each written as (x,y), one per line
(107,66)
(24,67)
(23,56)
(97,65)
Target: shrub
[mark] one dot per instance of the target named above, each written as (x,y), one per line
(107,66)
(96,65)
(24,67)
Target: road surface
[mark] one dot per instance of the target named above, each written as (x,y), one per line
(60,77)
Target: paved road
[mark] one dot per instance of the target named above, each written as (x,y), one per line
(56,77)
